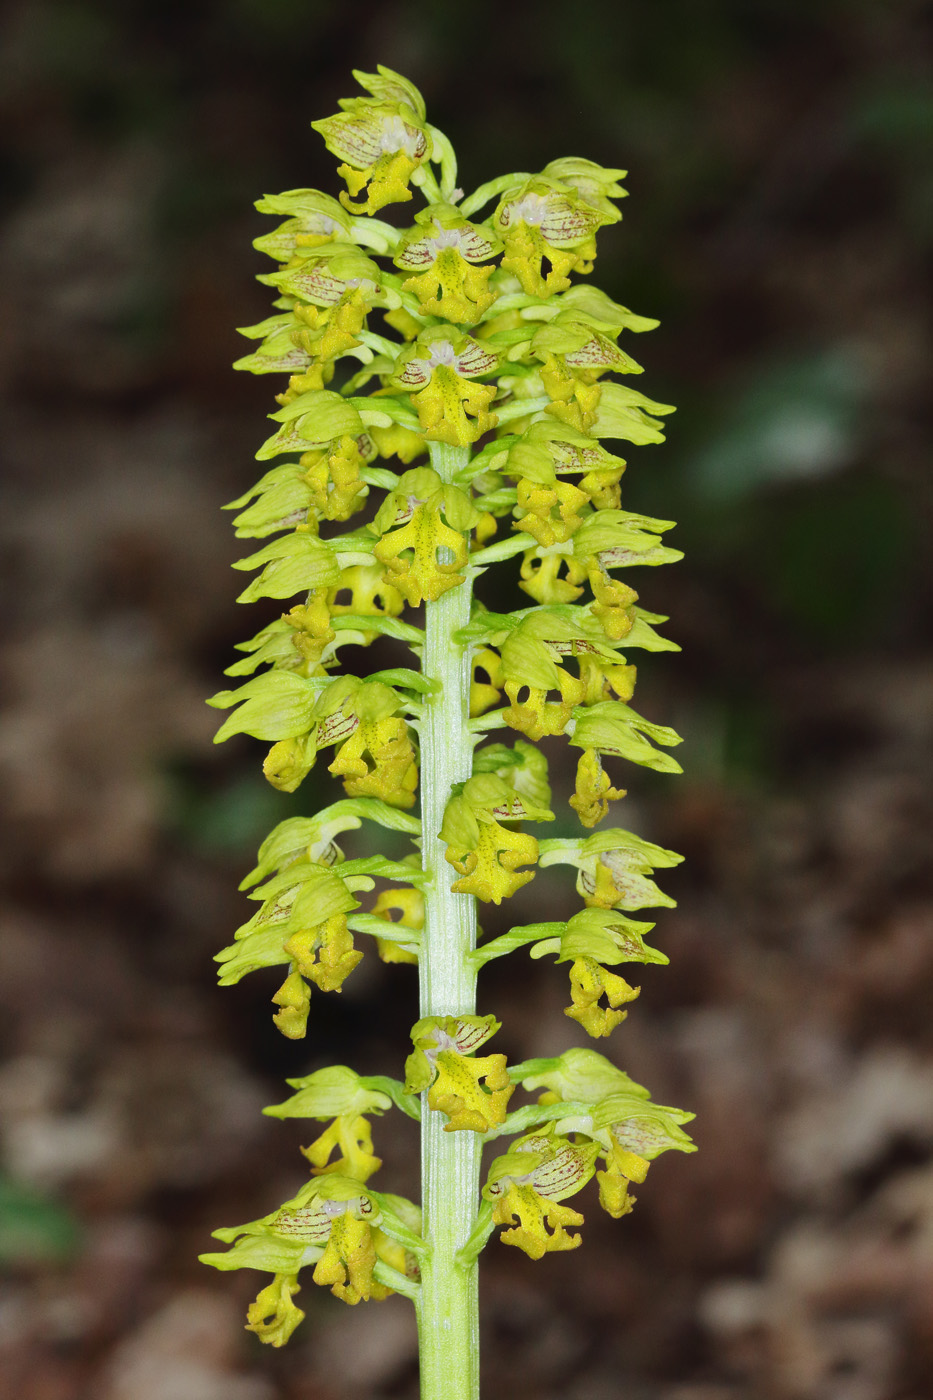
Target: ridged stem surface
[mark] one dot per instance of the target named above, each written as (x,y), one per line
(448,1318)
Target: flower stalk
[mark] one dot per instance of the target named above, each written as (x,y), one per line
(479,372)
(448,1301)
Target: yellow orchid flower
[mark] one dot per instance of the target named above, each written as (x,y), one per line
(588,983)
(371,595)
(382,140)
(409,905)
(337,489)
(325,954)
(351,1136)
(273,1316)
(594,790)
(472,1092)
(327,332)
(535,715)
(550,513)
(489,870)
(378,761)
(544,219)
(539,1225)
(551,578)
(442,252)
(439,371)
(423,557)
(527,1184)
(346,1266)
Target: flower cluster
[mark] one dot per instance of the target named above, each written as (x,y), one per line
(449,399)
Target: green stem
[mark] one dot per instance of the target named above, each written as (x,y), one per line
(448,1316)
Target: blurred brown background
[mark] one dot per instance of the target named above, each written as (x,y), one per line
(781,226)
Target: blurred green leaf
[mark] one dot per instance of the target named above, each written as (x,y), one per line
(900,115)
(837,560)
(795,420)
(33,1228)
(231,818)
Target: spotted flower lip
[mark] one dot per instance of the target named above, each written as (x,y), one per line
(382,140)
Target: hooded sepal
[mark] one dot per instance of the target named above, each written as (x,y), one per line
(603,934)
(314,419)
(312,218)
(329,1093)
(297,563)
(578,1074)
(312,838)
(611,727)
(278,704)
(614,868)
(523,767)
(596,184)
(627,414)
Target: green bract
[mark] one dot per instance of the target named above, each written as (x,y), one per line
(449,393)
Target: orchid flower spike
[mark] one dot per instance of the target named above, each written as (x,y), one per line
(453,398)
